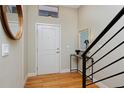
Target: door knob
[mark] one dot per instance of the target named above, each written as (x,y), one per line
(57,48)
(58,52)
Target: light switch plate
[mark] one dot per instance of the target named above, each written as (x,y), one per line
(5,50)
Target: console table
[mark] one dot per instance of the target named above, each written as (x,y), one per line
(77,58)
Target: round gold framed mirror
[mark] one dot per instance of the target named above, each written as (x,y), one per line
(12,20)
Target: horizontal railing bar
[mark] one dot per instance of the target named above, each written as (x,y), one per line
(86,75)
(88,58)
(106,78)
(106,66)
(108,27)
(120,87)
(106,42)
(106,54)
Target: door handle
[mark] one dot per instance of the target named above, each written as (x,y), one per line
(57,48)
(57,51)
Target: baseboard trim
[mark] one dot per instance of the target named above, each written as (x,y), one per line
(65,70)
(31,74)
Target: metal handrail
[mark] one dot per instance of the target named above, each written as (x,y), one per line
(106,78)
(84,55)
(108,27)
(107,54)
(106,66)
(107,42)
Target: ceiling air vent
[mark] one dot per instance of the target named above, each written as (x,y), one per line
(47,11)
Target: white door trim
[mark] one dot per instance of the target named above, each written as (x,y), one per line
(36,45)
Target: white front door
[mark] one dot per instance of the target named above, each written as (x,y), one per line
(48,48)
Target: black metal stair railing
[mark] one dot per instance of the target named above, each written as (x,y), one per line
(84,55)
(90,77)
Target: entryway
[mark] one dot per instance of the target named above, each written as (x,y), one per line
(48,48)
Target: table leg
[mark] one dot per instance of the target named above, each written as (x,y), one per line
(77,64)
(70,63)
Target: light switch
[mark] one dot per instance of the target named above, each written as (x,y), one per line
(5,50)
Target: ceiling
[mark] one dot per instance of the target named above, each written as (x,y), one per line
(71,6)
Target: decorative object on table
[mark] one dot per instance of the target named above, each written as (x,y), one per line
(77,52)
(87,43)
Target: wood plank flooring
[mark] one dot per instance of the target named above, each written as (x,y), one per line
(63,80)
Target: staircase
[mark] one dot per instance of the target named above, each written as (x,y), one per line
(94,62)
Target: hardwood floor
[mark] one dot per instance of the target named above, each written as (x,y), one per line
(63,80)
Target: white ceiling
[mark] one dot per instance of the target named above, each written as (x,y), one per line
(71,6)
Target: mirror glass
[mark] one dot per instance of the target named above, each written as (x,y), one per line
(12,20)
(12,17)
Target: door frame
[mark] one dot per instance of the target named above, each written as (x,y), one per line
(36,45)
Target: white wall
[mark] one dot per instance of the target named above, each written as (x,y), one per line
(96,19)
(68,21)
(12,66)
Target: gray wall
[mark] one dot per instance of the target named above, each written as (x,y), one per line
(12,72)
(96,18)
(25,44)
(68,21)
